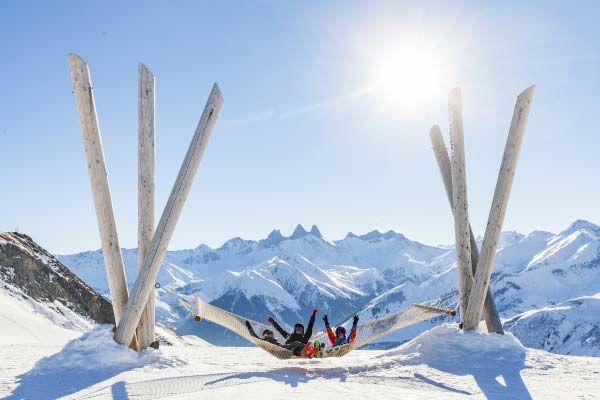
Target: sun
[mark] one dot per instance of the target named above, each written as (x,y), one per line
(407,76)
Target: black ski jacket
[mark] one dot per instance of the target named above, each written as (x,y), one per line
(294,337)
(266,339)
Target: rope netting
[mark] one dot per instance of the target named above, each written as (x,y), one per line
(365,333)
(237,324)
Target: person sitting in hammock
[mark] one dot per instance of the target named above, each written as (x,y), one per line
(267,335)
(340,333)
(297,340)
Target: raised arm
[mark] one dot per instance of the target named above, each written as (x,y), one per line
(311,323)
(353,332)
(250,330)
(279,328)
(330,334)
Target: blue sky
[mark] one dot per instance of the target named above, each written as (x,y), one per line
(303,137)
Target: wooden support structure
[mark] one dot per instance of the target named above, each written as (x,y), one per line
(197,306)
(146,102)
(154,257)
(92,143)
(498,209)
(490,312)
(459,197)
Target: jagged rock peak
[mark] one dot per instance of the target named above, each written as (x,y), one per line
(274,238)
(299,232)
(314,230)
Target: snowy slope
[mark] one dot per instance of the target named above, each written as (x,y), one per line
(432,366)
(571,327)
(24,320)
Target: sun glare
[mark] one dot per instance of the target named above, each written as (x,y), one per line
(407,77)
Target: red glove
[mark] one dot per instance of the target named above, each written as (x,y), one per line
(316,310)
(270,319)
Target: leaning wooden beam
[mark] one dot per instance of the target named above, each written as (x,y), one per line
(490,313)
(166,226)
(498,210)
(197,310)
(459,198)
(145,329)
(92,143)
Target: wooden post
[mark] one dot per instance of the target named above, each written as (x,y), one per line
(490,313)
(197,306)
(146,101)
(498,209)
(459,197)
(92,143)
(166,226)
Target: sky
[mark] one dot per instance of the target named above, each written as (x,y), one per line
(326,117)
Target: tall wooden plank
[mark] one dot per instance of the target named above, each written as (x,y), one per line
(498,209)
(92,143)
(166,226)
(146,106)
(490,312)
(459,197)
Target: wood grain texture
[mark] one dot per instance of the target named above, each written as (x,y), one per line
(146,152)
(92,144)
(490,312)
(154,257)
(460,203)
(96,166)
(498,209)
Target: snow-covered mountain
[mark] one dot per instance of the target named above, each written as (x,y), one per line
(571,327)
(28,271)
(376,273)
(41,301)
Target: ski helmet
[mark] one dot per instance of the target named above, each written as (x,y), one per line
(267,332)
(340,330)
(299,327)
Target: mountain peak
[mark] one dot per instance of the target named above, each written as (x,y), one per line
(315,231)
(374,234)
(274,238)
(299,232)
(581,225)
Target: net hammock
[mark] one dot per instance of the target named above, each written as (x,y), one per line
(365,333)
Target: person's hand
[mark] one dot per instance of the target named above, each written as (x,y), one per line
(315,311)
(326,319)
(356,319)
(270,319)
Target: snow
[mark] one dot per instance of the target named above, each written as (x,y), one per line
(442,363)
(24,321)
(96,350)
(571,327)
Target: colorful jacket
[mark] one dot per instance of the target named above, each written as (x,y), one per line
(335,341)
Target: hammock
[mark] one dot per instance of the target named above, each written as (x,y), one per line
(365,333)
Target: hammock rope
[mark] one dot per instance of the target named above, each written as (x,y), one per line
(365,333)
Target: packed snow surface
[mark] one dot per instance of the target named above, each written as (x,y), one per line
(443,363)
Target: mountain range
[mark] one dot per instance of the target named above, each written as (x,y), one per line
(372,274)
